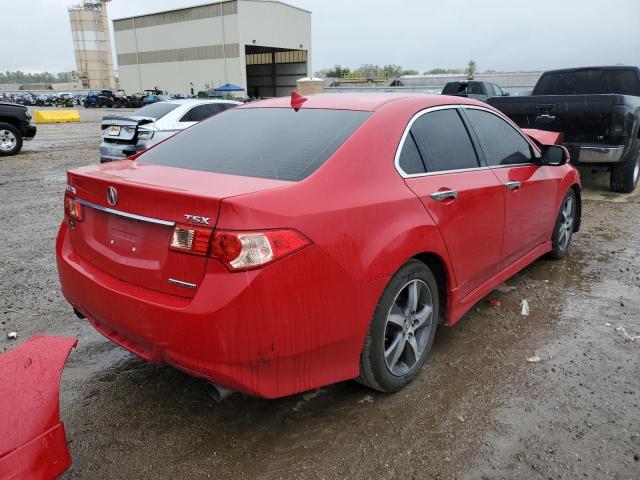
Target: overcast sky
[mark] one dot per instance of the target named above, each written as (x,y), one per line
(418,34)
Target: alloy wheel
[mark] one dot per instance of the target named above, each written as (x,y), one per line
(566,223)
(7,140)
(408,327)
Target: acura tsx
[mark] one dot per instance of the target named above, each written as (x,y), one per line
(282,246)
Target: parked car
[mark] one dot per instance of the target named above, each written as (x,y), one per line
(15,127)
(275,249)
(597,109)
(126,136)
(473,89)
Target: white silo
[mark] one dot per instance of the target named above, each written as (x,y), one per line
(92,44)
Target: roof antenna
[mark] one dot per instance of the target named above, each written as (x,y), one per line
(297,100)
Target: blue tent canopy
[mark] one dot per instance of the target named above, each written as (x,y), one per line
(229,88)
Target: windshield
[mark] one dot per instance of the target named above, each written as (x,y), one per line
(274,143)
(155,110)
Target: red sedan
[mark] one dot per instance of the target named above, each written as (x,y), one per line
(279,247)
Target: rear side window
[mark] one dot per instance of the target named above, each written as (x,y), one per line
(501,143)
(275,143)
(444,141)
(453,88)
(410,159)
(155,110)
(199,113)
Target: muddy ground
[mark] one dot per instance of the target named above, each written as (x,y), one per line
(479,409)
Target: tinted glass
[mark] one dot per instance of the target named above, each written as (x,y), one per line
(444,141)
(585,82)
(410,160)
(452,88)
(155,110)
(199,113)
(276,143)
(501,143)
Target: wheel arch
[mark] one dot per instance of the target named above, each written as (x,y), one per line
(440,271)
(578,192)
(11,121)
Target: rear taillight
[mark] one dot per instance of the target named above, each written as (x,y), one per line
(73,208)
(248,250)
(188,239)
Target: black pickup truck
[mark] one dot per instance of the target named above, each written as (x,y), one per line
(598,111)
(15,126)
(473,89)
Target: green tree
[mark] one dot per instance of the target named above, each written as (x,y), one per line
(471,69)
(337,71)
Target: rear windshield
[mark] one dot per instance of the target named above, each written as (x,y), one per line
(456,88)
(155,110)
(589,82)
(274,143)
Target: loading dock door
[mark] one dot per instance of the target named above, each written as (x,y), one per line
(273,72)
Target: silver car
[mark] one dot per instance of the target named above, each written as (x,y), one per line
(126,136)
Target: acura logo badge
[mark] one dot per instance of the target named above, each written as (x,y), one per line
(112,195)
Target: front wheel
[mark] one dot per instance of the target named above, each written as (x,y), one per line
(565,224)
(10,140)
(402,329)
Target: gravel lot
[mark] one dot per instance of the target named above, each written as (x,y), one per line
(478,410)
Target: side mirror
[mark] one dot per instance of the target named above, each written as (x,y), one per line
(506,94)
(554,155)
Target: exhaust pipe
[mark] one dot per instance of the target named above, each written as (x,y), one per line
(217,392)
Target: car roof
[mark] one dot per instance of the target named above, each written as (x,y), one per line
(187,101)
(363,101)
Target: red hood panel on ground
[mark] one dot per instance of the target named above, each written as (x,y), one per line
(32,440)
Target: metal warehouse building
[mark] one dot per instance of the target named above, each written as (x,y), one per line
(262,46)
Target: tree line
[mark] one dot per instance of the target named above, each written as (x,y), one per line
(42,77)
(370,70)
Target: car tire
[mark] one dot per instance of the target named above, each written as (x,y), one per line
(10,140)
(625,175)
(565,225)
(399,321)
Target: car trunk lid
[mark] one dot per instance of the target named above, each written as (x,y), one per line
(129,236)
(116,128)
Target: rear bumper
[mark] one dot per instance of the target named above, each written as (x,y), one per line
(592,154)
(269,332)
(110,152)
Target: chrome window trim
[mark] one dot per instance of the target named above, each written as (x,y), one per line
(133,216)
(407,129)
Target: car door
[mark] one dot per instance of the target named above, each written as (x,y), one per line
(529,188)
(441,166)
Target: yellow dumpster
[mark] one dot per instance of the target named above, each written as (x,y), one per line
(56,116)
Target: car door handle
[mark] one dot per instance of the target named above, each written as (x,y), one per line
(513,185)
(442,195)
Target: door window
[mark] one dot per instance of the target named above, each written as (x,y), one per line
(199,113)
(502,144)
(443,141)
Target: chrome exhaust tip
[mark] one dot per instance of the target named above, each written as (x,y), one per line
(217,392)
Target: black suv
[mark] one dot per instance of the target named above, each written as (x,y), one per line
(15,126)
